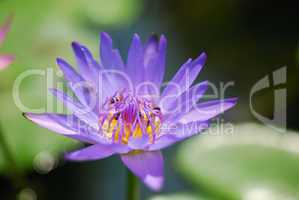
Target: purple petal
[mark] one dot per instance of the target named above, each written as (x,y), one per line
(96,152)
(154,62)
(138,143)
(154,58)
(151,51)
(148,166)
(163,142)
(178,133)
(75,81)
(69,73)
(207,110)
(93,66)
(4,29)
(161,62)
(6,60)
(184,102)
(83,113)
(193,95)
(63,124)
(185,76)
(89,69)
(110,57)
(81,61)
(86,91)
(135,64)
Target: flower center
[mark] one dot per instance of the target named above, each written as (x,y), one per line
(124,115)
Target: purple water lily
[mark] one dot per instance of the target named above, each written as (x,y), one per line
(118,108)
(5,60)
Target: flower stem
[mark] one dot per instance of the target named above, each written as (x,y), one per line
(14,172)
(133,187)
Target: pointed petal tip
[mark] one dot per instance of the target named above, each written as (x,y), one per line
(163,43)
(62,63)
(204,54)
(189,60)
(206,82)
(136,35)
(148,166)
(33,117)
(155,183)
(233,100)
(93,152)
(163,38)
(26,115)
(105,35)
(200,60)
(105,38)
(59,61)
(72,157)
(75,44)
(136,38)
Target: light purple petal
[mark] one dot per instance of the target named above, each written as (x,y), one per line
(182,103)
(65,125)
(6,60)
(207,110)
(96,152)
(83,113)
(164,142)
(154,59)
(138,143)
(4,29)
(178,133)
(154,66)
(135,64)
(81,61)
(69,73)
(110,57)
(148,166)
(151,52)
(185,76)
(93,67)
(104,83)
(75,81)
(193,95)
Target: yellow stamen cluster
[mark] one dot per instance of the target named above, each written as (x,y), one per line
(112,128)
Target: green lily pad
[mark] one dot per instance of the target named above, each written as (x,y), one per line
(253,162)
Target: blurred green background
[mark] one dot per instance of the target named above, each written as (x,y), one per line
(245,41)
